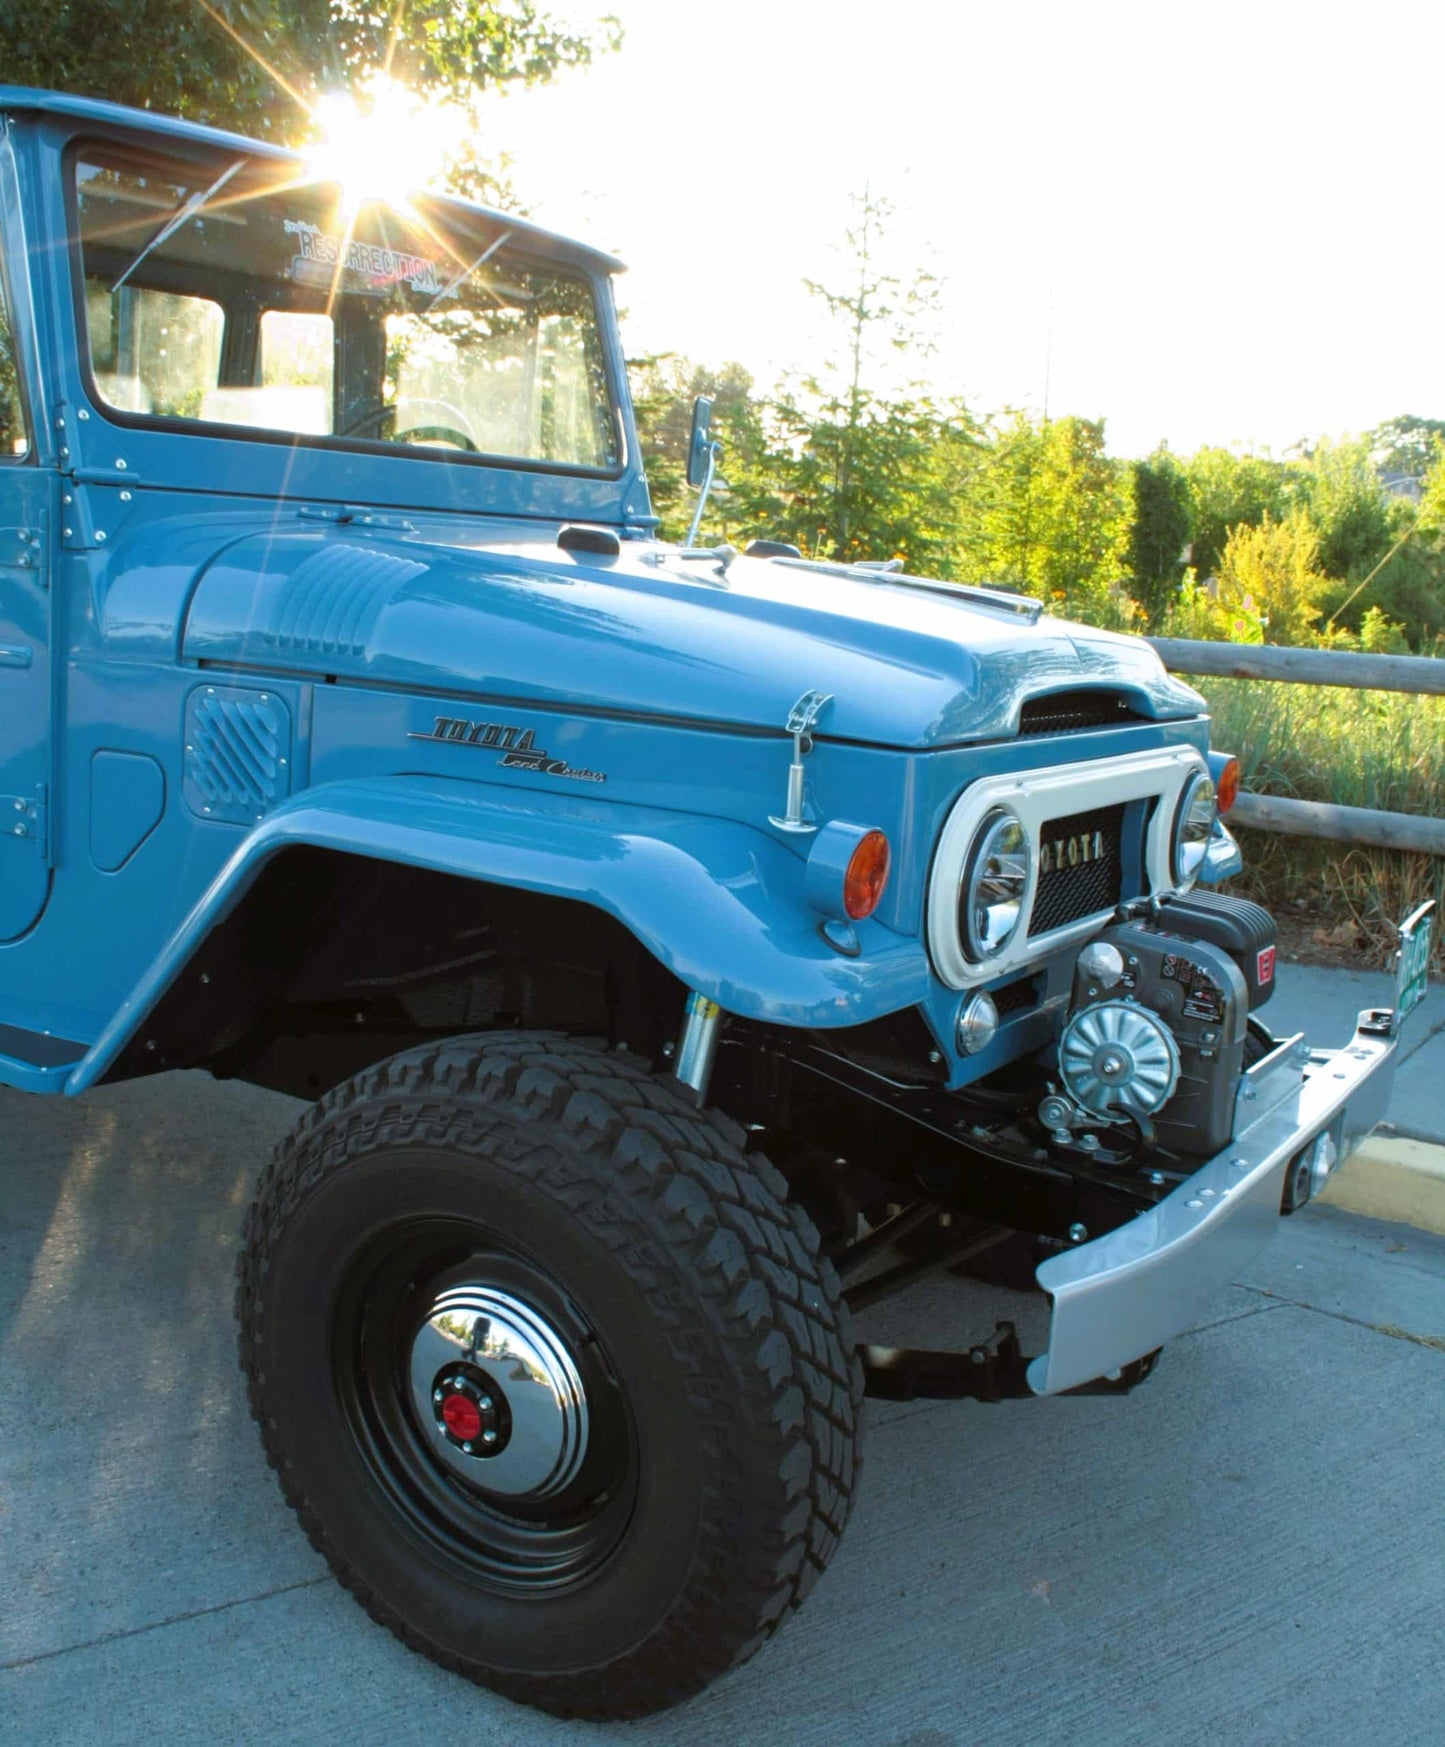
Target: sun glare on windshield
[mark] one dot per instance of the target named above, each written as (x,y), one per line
(388,151)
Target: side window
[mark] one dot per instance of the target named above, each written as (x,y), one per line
(13,437)
(298,370)
(154,351)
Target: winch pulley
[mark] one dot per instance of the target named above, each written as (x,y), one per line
(1117,1060)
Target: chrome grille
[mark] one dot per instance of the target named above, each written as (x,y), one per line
(1086,852)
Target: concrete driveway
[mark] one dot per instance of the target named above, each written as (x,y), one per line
(1250,1548)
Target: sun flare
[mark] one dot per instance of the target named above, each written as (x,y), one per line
(385,147)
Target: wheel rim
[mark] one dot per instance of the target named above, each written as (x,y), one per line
(483,1406)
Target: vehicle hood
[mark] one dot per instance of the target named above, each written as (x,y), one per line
(647,633)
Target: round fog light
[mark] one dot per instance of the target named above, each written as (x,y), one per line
(977,1024)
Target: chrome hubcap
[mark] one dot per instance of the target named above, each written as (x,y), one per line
(497,1394)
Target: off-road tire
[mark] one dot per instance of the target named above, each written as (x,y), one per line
(706,1291)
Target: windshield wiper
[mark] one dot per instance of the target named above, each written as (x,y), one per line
(467,272)
(187,209)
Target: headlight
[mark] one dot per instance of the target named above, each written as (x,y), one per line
(995,879)
(1192,827)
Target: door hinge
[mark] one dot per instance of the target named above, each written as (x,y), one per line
(27,816)
(24,549)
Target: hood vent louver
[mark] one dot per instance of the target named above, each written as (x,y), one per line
(1073,712)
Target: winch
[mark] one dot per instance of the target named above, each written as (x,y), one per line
(1157,1023)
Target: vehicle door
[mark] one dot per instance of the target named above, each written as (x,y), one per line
(25,635)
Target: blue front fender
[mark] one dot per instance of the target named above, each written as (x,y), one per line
(720,904)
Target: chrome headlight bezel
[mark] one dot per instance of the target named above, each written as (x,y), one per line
(1006,866)
(1193,826)
(1037,794)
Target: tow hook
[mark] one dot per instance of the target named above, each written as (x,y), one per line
(1308,1172)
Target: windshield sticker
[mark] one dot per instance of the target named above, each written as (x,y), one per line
(368,268)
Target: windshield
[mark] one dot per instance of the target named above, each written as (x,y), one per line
(216,298)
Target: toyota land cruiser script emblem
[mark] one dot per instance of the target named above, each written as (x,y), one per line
(518,746)
(1064,852)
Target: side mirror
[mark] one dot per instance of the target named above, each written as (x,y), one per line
(699,447)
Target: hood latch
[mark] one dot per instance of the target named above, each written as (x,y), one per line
(801,721)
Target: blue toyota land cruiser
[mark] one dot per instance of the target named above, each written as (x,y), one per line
(677,948)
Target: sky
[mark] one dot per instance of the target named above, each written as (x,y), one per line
(1205,223)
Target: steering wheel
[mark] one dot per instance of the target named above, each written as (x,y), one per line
(448,434)
(442,431)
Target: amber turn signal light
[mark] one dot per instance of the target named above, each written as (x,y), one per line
(1226,786)
(866,876)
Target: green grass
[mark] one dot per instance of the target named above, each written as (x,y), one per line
(1356,749)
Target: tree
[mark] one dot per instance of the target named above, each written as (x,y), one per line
(1230,491)
(1408,578)
(1160,532)
(1431,522)
(1343,498)
(1052,517)
(862,471)
(1406,445)
(663,390)
(885,486)
(1270,576)
(255,65)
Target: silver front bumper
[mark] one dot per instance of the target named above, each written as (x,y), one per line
(1123,1295)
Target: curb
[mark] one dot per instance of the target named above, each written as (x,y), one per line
(1392,1178)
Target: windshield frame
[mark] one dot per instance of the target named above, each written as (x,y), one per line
(526,246)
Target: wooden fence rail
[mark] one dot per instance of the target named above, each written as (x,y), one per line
(1366,825)
(1418,674)
(1376,673)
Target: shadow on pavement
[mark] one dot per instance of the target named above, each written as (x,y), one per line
(120,1402)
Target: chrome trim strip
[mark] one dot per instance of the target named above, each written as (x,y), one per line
(1036,797)
(1126,1293)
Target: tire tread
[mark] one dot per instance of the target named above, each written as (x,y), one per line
(558,1111)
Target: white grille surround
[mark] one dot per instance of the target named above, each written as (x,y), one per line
(1035,797)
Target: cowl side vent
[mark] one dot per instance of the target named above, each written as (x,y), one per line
(237,763)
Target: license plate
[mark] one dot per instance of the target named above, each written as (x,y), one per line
(1414,967)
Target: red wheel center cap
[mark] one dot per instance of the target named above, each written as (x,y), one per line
(462,1417)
